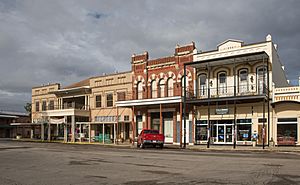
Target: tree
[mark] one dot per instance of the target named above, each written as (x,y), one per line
(27,107)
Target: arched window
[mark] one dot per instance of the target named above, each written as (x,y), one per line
(161,88)
(261,74)
(153,89)
(170,87)
(139,91)
(182,85)
(222,83)
(243,81)
(202,85)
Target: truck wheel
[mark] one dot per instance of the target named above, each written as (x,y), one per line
(161,146)
(142,145)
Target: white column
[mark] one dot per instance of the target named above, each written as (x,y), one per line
(49,132)
(73,129)
(31,133)
(65,130)
(42,132)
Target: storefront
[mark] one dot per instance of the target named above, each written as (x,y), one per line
(222,131)
(287,131)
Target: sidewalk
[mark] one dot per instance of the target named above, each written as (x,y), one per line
(244,148)
(239,148)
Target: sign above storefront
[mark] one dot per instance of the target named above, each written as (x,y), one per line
(222,111)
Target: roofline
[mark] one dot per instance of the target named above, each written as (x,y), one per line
(45,85)
(112,74)
(224,58)
(229,39)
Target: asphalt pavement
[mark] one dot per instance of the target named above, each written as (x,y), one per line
(33,163)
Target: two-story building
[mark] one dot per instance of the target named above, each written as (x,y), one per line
(156,95)
(84,110)
(233,92)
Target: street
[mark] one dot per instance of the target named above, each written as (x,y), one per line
(29,163)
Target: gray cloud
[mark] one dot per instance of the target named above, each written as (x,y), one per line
(67,41)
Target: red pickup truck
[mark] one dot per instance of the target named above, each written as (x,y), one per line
(150,137)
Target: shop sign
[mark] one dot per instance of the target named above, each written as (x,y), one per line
(222,111)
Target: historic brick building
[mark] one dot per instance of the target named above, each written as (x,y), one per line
(157,93)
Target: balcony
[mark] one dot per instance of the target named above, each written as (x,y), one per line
(67,109)
(227,93)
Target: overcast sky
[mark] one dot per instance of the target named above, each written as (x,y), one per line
(66,41)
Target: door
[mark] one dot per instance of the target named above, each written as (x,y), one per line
(243,81)
(229,132)
(168,130)
(221,133)
(139,122)
(261,134)
(262,79)
(222,85)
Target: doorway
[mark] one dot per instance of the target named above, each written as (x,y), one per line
(222,131)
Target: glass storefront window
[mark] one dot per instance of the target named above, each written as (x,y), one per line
(244,132)
(287,130)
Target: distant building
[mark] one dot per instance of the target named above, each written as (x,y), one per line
(9,131)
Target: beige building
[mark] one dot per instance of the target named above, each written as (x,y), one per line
(233,92)
(84,110)
(286,115)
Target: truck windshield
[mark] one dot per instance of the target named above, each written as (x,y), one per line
(151,131)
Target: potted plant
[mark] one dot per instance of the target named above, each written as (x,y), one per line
(272,143)
(254,139)
(254,142)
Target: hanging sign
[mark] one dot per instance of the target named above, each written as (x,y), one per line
(222,111)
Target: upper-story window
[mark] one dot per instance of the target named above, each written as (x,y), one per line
(261,79)
(153,89)
(44,105)
(243,81)
(98,101)
(51,105)
(139,90)
(222,83)
(109,100)
(170,87)
(161,88)
(37,106)
(184,78)
(202,84)
(121,96)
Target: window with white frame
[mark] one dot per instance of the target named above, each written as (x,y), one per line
(153,89)
(222,83)
(139,90)
(170,87)
(243,81)
(161,88)
(202,85)
(109,100)
(261,79)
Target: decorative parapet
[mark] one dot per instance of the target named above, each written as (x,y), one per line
(287,94)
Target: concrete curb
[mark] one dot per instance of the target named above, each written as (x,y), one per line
(177,147)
